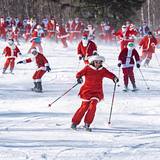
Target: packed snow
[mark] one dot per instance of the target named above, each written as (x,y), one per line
(30,130)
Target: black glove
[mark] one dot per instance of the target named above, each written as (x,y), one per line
(119,64)
(48,69)
(79,80)
(19,62)
(80,57)
(95,53)
(138,65)
(115,80)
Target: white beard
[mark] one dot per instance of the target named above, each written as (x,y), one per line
(84,42)
(12,46)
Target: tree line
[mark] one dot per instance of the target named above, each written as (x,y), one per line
(116,11)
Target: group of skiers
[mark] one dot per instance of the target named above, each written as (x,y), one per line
(91,91)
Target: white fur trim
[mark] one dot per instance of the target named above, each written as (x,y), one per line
(96,58)
(95,98)
(87,100)
(37,80)
(41,68)
(94,68)
(47,64)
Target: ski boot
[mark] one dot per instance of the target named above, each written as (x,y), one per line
(4,71)
(134,87)
(35,86)
(74,126)
(39,87)
(87,127)
(125,88)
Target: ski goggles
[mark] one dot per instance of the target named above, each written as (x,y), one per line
(131,45)
(85,38)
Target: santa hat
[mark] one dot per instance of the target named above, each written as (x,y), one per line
(96,58)
(33,50)
(85,34)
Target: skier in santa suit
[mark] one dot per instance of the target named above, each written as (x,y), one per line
(43,66)
(11,52)
(124,36)
(36,39)
(62,35)
(51,28)
(3,29)
(86,48)
(92,90)
(147,44)
(126,59)
(27,30)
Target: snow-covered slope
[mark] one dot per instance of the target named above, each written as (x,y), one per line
(29,129)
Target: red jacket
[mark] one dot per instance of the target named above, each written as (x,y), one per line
(126,57)
(40,60)
(11,52)
(148,44)
(51,27)
(123,35)
(88,50)
(93,82)
(61,33)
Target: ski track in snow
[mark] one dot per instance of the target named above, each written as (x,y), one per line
(31,130)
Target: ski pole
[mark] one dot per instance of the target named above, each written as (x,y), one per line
(119,73)
(49,105)
(144,79)
(109,121)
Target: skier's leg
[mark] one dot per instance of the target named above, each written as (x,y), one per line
(91,112)
(12,63)
(80,112)
(125,77)
(6,64)
(132,78)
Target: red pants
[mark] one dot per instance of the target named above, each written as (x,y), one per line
(63,40)
(146,54)
(11,62)
(89,108)
(38,75)
(128,74)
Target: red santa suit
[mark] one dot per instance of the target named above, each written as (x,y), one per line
(124,36)
(51,28)
(148,44)
(41,63)
(11,52)
(126,58)
(3,29)
(76,28)
(91,92)
(62,35)
(27,33)
(86,50)
(36,39)
(15,34)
